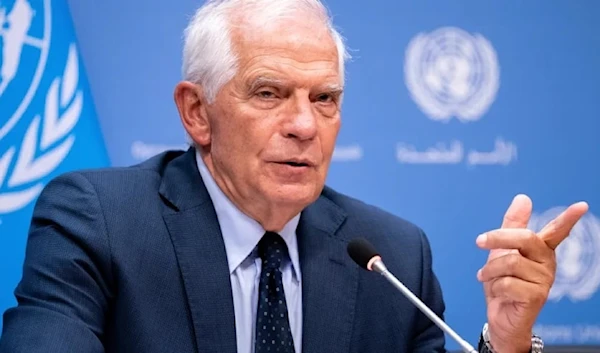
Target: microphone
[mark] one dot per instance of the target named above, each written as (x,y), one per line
(365,255)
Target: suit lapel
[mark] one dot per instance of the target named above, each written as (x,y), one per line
(329,277)
(329,280)
(200,250)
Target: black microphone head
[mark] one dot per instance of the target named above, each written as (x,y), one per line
(361,251)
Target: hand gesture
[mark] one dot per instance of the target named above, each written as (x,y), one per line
(520,271)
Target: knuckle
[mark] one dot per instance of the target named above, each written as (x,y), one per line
(491,236)
(530,236)
(512,263)
(548,277)
(552,226)
(485,272)
(503,285)
(552,261)
(513,218)
(538,297)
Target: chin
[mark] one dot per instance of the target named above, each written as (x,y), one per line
(295,195)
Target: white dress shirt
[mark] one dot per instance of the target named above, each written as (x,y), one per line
(241,235)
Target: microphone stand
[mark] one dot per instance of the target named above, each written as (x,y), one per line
(378,266)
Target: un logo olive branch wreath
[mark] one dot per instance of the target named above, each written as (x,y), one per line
(39,154)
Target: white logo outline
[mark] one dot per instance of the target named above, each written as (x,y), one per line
(478,103)
(44,45)
(62,110)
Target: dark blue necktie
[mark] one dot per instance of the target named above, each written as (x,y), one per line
(273,333)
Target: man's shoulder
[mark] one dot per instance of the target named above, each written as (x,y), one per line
(373,220)
(403,244)
(153,165)
(119,187)
(147,173)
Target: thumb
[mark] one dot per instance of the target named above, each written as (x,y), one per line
(518,213)
(559,228)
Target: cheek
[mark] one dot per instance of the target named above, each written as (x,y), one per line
(239,137)
(227,140)
(228,127)
(329,131)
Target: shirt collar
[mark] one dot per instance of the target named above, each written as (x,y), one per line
(241,233)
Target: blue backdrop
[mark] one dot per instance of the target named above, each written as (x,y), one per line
(48,123)
(451,108)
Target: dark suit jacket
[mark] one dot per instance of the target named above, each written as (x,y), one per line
(132,260)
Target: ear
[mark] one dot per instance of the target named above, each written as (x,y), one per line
(191,105)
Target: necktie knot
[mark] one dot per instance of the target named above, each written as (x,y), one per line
(272,250)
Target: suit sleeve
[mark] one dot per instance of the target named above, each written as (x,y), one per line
(428,337)
(65,289)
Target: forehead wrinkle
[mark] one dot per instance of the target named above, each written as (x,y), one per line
(286,73)
(254,47)
(256,55)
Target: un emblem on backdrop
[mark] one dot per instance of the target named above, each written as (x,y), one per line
(578,257)
(36,121)
(451,73)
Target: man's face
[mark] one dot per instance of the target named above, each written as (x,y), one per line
(273,126)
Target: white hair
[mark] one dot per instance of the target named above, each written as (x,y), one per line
(208,55)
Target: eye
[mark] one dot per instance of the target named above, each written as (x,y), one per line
(266,98)
(264,94)
(325,98)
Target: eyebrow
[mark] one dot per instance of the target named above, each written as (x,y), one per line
(264,81)
(259,81)
(334,88)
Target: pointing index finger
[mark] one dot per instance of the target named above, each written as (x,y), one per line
(524,241)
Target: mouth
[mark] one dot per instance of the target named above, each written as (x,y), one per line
(296,163)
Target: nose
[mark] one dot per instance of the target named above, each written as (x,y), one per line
(302,122)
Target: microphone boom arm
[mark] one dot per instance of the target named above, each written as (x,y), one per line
(378,266)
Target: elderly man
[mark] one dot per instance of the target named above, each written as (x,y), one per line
(236,245)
